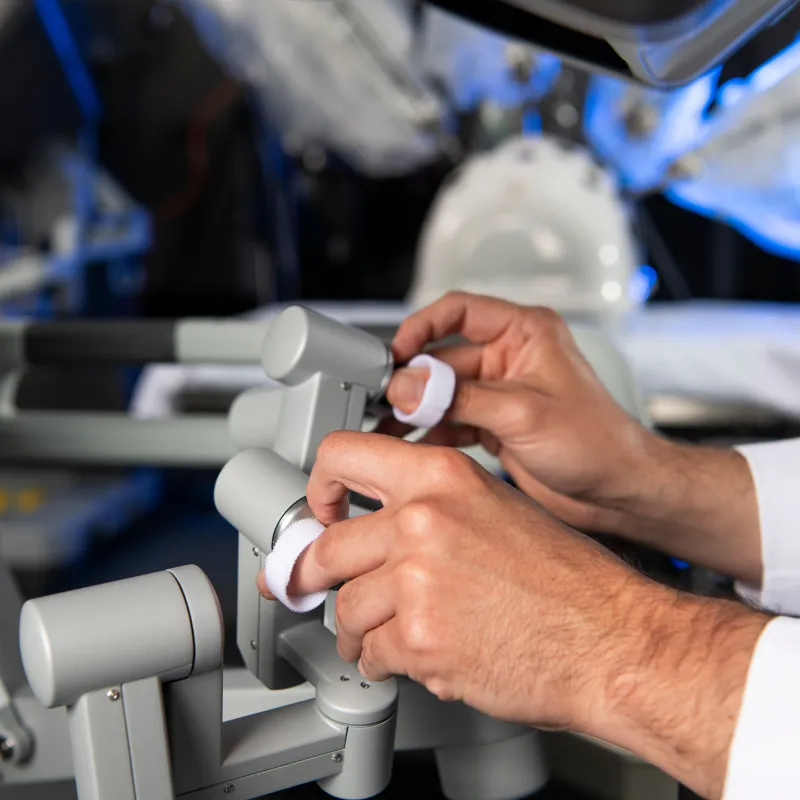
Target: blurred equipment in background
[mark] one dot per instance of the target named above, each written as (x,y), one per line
(75,242)
(535,221)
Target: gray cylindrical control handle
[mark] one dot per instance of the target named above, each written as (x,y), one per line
(302,343)
(104,636)
(255,490)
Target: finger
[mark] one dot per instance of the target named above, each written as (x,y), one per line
(406,389)
(476,318)
(362,605)
(451,436)
(465,359)
(407,386)
(261,584)
(389,426)
(382,653)
(503,409)
(346,550)
(379,467)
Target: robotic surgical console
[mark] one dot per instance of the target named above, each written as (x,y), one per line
(138,664)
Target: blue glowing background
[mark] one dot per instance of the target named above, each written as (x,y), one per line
(761,199)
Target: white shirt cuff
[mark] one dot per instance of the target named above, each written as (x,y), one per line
(764,758)
(776,473)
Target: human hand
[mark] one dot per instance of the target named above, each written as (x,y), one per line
(527,394)
(466,586)
(459,581)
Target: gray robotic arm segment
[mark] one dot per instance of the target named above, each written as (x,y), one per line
(302,344)
(159,735)
(87,640)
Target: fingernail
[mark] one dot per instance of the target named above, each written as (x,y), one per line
(406,389)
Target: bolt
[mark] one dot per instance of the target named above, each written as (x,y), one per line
(344,678)
(567,116)
(228,788)
(6,748)
(336,758)
(256,552)
(364,685)
(521,62)
(112,694)
(254,644)
(346,387)
(689,165)
(641,120)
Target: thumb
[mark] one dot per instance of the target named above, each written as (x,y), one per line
(406,389)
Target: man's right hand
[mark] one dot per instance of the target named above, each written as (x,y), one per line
(526,393)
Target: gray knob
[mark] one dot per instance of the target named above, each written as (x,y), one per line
(255,490)
(301,343)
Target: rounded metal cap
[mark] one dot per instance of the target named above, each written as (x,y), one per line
(37,654)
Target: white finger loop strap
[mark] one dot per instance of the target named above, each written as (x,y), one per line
(280,564)
(437,397)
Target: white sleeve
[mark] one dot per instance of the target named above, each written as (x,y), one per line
(764,758)
(776,472)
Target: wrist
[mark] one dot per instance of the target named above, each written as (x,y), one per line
(674,690)
(696,503)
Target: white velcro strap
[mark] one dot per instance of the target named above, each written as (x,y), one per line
(280,564)
(437,397)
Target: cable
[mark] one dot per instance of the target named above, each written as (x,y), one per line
(66,48)
(663,261)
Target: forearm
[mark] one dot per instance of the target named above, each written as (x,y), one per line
(674,684)
(698,504)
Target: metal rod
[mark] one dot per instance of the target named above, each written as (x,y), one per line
(114,440)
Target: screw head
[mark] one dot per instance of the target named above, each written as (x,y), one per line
(336,757)
(344,678)
(6,748)
(256,552)
(254,644)
(228,788)
(346,387)
(365,685)
(113,694)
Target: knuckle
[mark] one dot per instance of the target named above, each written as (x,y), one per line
(418,635)
(369,654)
(548,319)
(331,445)
(447,467)
(414,579)
(417,521)
(545,324)
(441,690)
(345,603)
(326,550)
(523,413)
